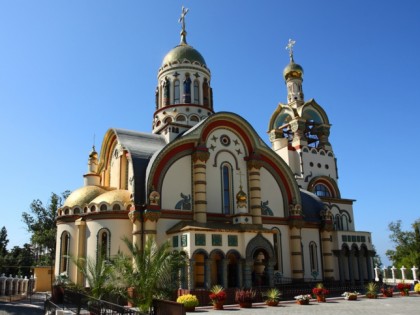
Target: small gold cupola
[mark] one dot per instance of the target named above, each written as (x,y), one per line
(293,75)
(92,177)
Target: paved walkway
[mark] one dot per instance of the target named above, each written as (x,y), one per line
(396,306)
(382,306)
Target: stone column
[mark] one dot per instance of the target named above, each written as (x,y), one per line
(376,273)
(191,272)
(326,241)
(403,272)
(3,284)
(270,273)
(200,157)
(80,247)
(393,273)
(351,269)
(248,273)
(208,281)
(298,127)
(240,274)
(225,263)
(150,218)
(414,270)
(254,184)
(295,225)
(385,272)
(135,217)
(323,132)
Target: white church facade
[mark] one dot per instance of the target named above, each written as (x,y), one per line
(244,213)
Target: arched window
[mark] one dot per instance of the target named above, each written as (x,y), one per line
(337,223)
(104,244)
(313,257)
(321,190)
(227,194)
(104,207)
(176,92)
(277,250)
(181,118)
(205,92)
(196,92)
(64,252)
(116,207)
(194,118)
(345,222)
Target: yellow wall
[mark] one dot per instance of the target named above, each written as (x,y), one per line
(43,278)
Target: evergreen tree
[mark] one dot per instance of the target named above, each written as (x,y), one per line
(3,241)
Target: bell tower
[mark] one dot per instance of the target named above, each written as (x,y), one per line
(299,130)
(184,96)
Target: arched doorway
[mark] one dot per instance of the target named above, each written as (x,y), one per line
(259,262)
(199,259)
(233,269)
(216,268)
(260,270)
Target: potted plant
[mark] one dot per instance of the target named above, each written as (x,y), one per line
(217,297)
(58,287)
(372,290)
(320,292)
(244,297)
(417,288)
(351,296)
(303,299)
(190,301)
(272,296)
(387,291)
(404,288)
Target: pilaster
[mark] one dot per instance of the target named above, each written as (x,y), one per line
(199,158)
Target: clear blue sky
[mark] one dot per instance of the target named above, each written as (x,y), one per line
(72,69)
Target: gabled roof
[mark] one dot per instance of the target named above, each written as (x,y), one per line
(141,147)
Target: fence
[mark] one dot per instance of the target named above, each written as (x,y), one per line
(77,303)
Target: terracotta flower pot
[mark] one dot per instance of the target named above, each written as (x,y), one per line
(352,297)
(189,309)
(245,304)
(320,298)
(404,293)
(218,305)
(302,302)
(272,303)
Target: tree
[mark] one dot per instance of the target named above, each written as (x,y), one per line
(41,223)
(19,260)
(3,249)
(149,271)
(3,242)
(407,245)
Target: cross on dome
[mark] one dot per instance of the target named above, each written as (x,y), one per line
(289,47)
(181,20)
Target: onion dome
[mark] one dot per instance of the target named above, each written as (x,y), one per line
(119,195)
(293,70)
(83,196)
(183,52)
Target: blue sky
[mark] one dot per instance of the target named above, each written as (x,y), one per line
(70,70)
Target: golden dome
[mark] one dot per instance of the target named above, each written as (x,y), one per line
(181,52)
(293,70)
(83,195)
(119,195)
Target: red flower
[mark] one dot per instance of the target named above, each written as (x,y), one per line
(403,286)
(320,291)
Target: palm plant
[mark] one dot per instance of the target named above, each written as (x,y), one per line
(96,273)
(149,271)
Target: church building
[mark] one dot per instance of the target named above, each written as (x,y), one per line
(244,213)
